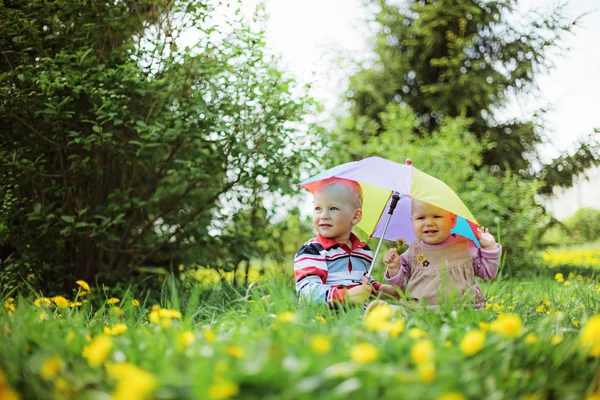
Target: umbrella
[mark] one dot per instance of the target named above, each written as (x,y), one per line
(388,185)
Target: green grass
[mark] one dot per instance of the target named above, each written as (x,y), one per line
(257,343)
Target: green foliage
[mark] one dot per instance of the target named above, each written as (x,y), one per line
(585,224)
(258,344)
(139,133)
(464,59)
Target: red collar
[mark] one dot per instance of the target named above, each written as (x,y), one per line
(329,243)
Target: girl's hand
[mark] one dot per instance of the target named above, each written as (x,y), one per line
(392,262)
(486,239)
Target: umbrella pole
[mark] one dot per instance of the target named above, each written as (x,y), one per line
(395,198)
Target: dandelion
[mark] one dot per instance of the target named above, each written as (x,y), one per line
(567,283)
(135,302)
(320,344)
(416,333)
(97,351)
(426,372)
(286,317)
(43,316)
(472,342)
(447,344)
(223,389)
(236,351)
(378,316)
(84,285)
(115,330)
(571,275)
(60,301)
(30,276)
(422,352)
(590,336)
(320,319)
(209,335)
(531,338)
(559,277)
(112,300)
(133,383)
(154,317)
(507,325)
(51,367)
(575,323)
(484,326)
(452,396)
(593,396)
(185,339)
(540,309)
(364,353)
(42,301)
(9,305)
(556,339)
(118,312)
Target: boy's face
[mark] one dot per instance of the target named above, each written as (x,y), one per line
(334,214)
(431,224)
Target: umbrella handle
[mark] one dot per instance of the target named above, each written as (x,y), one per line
(393,204)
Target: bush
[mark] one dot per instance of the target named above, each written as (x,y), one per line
(585,224)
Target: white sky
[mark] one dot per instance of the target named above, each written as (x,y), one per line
(310,35)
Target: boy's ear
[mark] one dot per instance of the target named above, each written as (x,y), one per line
(357,216)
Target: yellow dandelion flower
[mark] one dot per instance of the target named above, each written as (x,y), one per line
(507,325)
(575,323)
(43,316)
(30,276)
(135,302)
(70,336)
(42,301)
(590,336)
(62,387)
(540,309)
(209,335)
(84,285)
(185,339)
(452,396)
(571,275)
(416,333)
(394,328)
(112,300)
(567,283)
(593,396)
(472,342)
(286,317)
(154,317)
(447,344)
(236,351)
(364,353)
(377,317)
(531,338)
(118,312)
(423,352)
(320,319)
(556,339)
(9,306)
(223,389)
(97,351)
(559,277)
(426,372)
(51,367)
(484,326)
(60,301)
(118,329)
(320,344)
(169,313)
(133,383)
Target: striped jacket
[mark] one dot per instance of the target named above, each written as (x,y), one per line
(324,268)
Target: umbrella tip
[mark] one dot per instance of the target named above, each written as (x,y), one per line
(408,161)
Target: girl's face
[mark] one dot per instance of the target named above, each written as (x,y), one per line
(431,224)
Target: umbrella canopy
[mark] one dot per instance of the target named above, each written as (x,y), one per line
(379,179)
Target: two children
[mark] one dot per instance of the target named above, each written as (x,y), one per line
(330,268)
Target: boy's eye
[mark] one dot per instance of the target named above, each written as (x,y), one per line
(317,208)
(334,208)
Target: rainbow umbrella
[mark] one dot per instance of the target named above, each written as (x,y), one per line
(388,185)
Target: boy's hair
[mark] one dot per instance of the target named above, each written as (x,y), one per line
(354,187)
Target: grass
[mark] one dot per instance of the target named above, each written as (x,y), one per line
(256,343)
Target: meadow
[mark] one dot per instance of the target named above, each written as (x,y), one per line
(538,338)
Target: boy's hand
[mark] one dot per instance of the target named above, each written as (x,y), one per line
(486,239)
(392,262)
(359,294)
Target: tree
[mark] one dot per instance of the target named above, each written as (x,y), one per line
(464,58)
(134,131)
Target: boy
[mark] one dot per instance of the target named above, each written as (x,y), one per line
(330,268)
